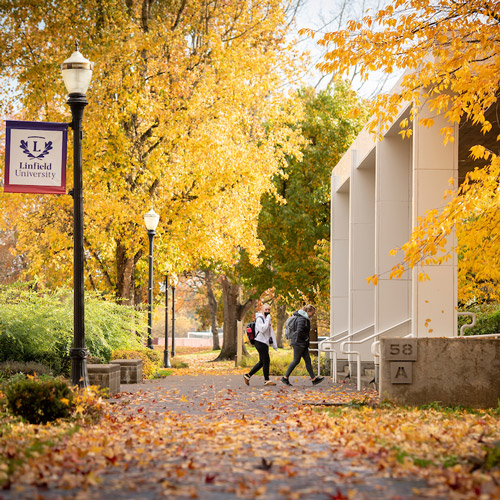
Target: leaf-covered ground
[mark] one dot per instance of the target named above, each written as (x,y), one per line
(212,437)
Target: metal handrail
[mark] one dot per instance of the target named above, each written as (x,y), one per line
(467,325)
(322,348)
(358,354)
(376,343)
(482,335)
(334,351)
(329,341)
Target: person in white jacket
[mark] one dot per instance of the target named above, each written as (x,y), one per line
(263,339)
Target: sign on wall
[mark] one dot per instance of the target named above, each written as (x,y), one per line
(35,157)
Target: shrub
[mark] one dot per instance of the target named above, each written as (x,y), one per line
(487,321)
(38,326)
(89,403)
(39,401)
(10,368)
(151,359)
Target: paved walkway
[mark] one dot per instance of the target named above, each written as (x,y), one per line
(214,438)
(258,449)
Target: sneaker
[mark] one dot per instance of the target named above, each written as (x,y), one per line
(286,381)
(246,378)
(318,380)
(269,382)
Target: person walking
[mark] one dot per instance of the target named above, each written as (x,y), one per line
(299,340)
(263,339)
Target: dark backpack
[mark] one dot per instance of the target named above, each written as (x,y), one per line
(290,326)
(251,332)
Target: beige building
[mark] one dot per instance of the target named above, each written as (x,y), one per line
(378,191)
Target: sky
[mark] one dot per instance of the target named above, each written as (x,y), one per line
(325,16)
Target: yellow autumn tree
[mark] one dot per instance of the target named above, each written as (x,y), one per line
(450,52)
(185,116)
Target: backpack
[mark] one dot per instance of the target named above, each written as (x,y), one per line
(290,326)
(251,334)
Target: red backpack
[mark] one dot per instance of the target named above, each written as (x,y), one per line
(251,332)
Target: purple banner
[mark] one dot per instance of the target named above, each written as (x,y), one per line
(35,157)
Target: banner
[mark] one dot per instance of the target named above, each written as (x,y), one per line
(35,157)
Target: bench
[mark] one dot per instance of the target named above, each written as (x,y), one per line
(105,376)
(130,370)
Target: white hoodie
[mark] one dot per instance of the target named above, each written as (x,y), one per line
(264,330)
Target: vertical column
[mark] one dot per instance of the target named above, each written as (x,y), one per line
(434,301)
(392,229)
(339,277)
(362,252)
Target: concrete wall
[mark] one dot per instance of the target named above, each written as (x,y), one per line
(393,227)
(339,257)
(433,165)
(451,371)
(361,251)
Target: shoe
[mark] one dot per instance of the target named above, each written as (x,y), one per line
(318,380)
(286,381)
(269,382)
(246,378)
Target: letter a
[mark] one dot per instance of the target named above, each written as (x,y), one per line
(401,370)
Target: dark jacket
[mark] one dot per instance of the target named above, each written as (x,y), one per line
(300,335)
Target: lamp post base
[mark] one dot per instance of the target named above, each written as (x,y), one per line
(79,375)
(166,360)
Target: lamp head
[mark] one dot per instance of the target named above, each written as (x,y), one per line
(174,280)
(151,220)
(77,73)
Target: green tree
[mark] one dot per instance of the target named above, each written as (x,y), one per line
(294,224)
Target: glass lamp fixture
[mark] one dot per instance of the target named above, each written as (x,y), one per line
(77,73)
(151,220)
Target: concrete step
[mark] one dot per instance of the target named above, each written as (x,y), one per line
(342,376)
(366,380)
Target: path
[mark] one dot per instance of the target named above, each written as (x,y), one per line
(214,438)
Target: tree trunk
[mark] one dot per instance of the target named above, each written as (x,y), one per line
(233,312)
(212,305)
(281,320)
(124,275)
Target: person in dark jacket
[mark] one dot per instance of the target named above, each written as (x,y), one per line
(299,340)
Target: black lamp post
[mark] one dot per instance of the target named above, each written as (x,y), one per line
(76,73)
(151,220)
(174,284)
(166,361)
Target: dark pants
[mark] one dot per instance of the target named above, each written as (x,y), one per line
(264,360)
(298,353)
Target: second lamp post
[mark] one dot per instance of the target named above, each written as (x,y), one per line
(151,220)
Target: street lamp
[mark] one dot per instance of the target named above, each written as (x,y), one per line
(151,220)
(77,73)
(174,282)
(166,361)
